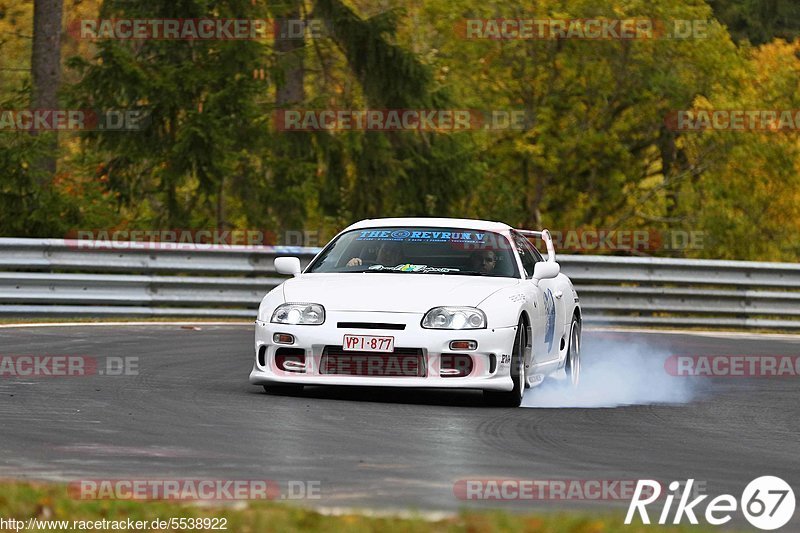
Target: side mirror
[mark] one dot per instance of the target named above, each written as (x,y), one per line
(288,265)
(546,270)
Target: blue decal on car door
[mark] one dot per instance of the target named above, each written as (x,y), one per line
(550,328)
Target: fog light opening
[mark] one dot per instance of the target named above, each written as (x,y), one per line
(455,365)
(290,359)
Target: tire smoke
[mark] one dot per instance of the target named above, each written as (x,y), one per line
(616,370)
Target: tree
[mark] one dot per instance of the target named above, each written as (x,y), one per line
(200,98)
(594,150)
(759,21)
(199,141)
(747,196)
(46,72)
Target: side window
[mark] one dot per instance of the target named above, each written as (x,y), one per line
(534,251)
(525,254)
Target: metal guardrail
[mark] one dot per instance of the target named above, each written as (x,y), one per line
(56,277)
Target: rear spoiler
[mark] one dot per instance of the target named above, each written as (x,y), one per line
(546,237)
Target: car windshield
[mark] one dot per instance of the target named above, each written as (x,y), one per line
(419,250)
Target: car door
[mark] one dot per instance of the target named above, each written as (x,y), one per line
(535,296)
(552,309)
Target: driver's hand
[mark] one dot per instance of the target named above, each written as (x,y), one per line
(354,262)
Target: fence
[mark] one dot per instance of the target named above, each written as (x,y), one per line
(56,277)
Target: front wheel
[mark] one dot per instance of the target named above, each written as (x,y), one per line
(512,398)
(573,364)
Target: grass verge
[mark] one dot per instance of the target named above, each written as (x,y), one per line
(23,501)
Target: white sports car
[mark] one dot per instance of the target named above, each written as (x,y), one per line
(422,302)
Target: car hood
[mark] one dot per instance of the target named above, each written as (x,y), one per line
(399,293)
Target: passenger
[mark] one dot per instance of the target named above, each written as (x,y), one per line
(390,253)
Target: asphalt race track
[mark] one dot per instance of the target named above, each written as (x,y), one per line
(190,413)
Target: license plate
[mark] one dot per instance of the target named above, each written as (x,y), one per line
(367,343)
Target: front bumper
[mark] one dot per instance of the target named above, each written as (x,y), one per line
(493,344)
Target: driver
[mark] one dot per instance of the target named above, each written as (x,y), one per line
(389,253)
(482,261)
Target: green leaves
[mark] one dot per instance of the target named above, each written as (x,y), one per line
(201,101)
(595,150)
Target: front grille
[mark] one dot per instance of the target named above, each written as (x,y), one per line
(371,325)
(403,362)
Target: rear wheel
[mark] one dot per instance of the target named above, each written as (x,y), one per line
(573,364)
(512,398)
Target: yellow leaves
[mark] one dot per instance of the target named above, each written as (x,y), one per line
(777,55)
(16,27)
(594,526)
(533,524)
(776,71)
(523,147)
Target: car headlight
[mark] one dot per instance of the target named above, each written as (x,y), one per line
(454,318)
(299,313)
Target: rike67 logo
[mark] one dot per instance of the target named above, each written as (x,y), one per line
(767,503)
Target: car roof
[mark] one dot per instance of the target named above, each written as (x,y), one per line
(430,222)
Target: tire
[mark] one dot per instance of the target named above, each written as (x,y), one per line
(572,366)
(512,398)
(283,389)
